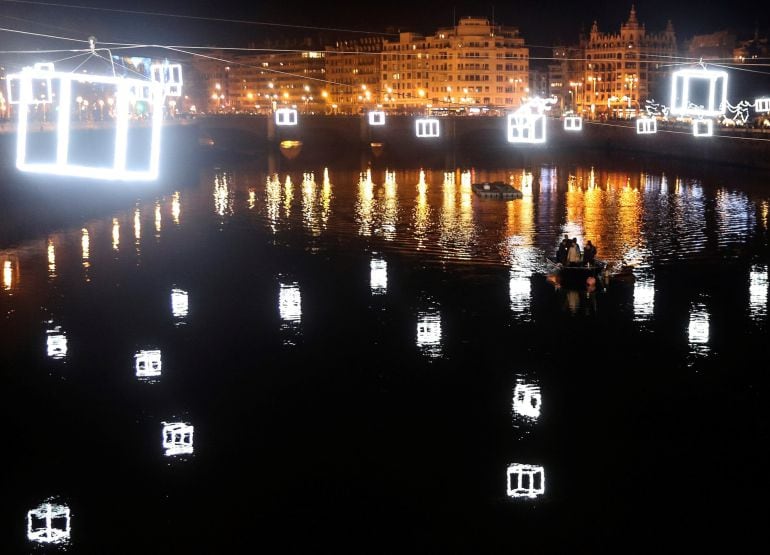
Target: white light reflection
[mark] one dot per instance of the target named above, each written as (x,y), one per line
(390,212)
(179,303)
(137,225)
(56,343)
(326,198)
(519,290)
(365,203)
(290,303)
(288,196)
(115,234)
(148,364)
(644,299)
(7,275)
(698,328)
(223,203)
(252,202)
(158,219)
(758,283)
(51,250)
(525,480)
(273,201)
(309,213)
(378,279)
(49,523)
(429,332)
(176,207)
(177,438)
(85,244)
(527,400)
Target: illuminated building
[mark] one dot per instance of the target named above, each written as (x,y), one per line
(473,64)
(353,71)
(566,68)
(624,69)
(715,46)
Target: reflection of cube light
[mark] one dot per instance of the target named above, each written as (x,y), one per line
(48,524)
(177,438)
(378,276)
(681,104)
(527,400)
(56,344)
(573,123)
(376,118)
(429,331)
(179,304)
(427,127)
(644,300)
(525,480)
(286,116)
(148,364)
(703,127)
(646,126)
(126,89)
(698,329)
(290,302)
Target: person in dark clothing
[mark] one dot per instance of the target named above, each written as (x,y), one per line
(589,253)
(561,253)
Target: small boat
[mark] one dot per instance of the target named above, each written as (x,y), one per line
(577,276)
(496,190)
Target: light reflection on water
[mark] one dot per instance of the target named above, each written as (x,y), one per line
(378,280)
(644,299)
(758,284)
(429,332)
(698,328)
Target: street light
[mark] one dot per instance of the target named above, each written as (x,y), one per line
(631,79)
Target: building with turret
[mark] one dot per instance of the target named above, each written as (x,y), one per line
(624,69)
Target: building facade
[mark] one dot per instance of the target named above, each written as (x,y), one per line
(624,69)
(473,65)
(353,72)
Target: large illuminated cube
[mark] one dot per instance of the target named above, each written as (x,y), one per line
(177,438)
(148,364)
(526,127)
(526,480)
(49,523)
(646,126)
(703,127)
(286,116)
(762,105)
(427,127)
(573,123)
(376,118)
(698,92)
(128,160)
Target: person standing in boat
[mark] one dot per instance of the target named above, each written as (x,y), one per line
(561,252)
(589,253)
(573,254)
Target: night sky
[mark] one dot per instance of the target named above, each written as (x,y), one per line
(542,22)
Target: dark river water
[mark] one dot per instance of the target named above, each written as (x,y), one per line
(324,359)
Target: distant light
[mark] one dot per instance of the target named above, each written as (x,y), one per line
(377,118)
(429,332)
(683,105)
(762,105)
(427,127)
(526,480)
(148,364)
(49,523)
(758,283)
(179,303)
(286,116)
(703,127)
(646,126)
(573,123)
(290,303)
(56,343)
(177,438)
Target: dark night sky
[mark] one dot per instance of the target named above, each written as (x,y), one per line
(541,22)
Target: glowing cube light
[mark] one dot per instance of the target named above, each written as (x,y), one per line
(21,88)
(427,127)
(376,118)
(286,116)
(378,276)
(646,126)
(685,82)
(177,438)
(169,76)
(148,364)
(703,127)
(526,480)
(762,105)
(573,123)
(49,523)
